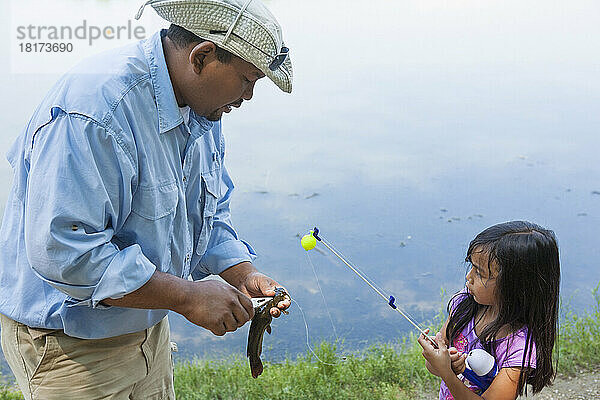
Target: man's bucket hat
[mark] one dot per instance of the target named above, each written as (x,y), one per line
(245,28)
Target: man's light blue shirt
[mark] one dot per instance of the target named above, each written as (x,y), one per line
(109,186)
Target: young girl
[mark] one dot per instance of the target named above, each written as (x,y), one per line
(509,308)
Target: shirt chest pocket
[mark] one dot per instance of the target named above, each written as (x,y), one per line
(154,203)
(151,223)
(209,199)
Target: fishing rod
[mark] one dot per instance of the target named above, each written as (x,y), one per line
(481,367)
(309,241)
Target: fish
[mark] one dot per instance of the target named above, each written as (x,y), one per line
(261,322)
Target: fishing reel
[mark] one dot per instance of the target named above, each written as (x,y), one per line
(481,368)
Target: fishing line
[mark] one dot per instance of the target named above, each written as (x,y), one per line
(475,371)
(307,341)
(379,291)
(323,297)
(354,268)
(309,242)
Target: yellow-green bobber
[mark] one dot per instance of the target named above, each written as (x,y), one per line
(308,241)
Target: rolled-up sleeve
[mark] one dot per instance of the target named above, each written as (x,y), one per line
(225,249)
(79,194)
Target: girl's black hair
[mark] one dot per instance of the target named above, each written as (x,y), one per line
(527,288)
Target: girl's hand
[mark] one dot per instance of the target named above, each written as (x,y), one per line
(437,360)
(457,360)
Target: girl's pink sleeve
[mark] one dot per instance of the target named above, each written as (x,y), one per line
(514,349)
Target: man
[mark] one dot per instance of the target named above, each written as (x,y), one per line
(120,194)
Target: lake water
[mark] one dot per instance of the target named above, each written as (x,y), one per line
(412,127)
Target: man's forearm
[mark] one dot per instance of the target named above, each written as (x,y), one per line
(162,291)
(238,273)
(169,292)
(211,304)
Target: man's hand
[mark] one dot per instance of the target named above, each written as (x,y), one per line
(213,305)
(216,306)
(437,360)
(254,284)
(257,285)
(457,360)
(210,304)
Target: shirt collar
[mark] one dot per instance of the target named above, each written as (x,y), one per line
(168,111)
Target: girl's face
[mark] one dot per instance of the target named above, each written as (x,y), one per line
(481,280)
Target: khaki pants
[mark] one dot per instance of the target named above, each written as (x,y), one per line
(51,365)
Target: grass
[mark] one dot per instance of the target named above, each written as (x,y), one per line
(7,394)
(579,340)
(383,371)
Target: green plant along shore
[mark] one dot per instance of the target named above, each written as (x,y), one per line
(384,371)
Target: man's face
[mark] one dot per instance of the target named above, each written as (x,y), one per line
(214,88)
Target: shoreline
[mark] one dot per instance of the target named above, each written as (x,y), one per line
(578,385)
(381,372)
(583,386)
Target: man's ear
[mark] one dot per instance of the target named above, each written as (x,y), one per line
(200,54)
